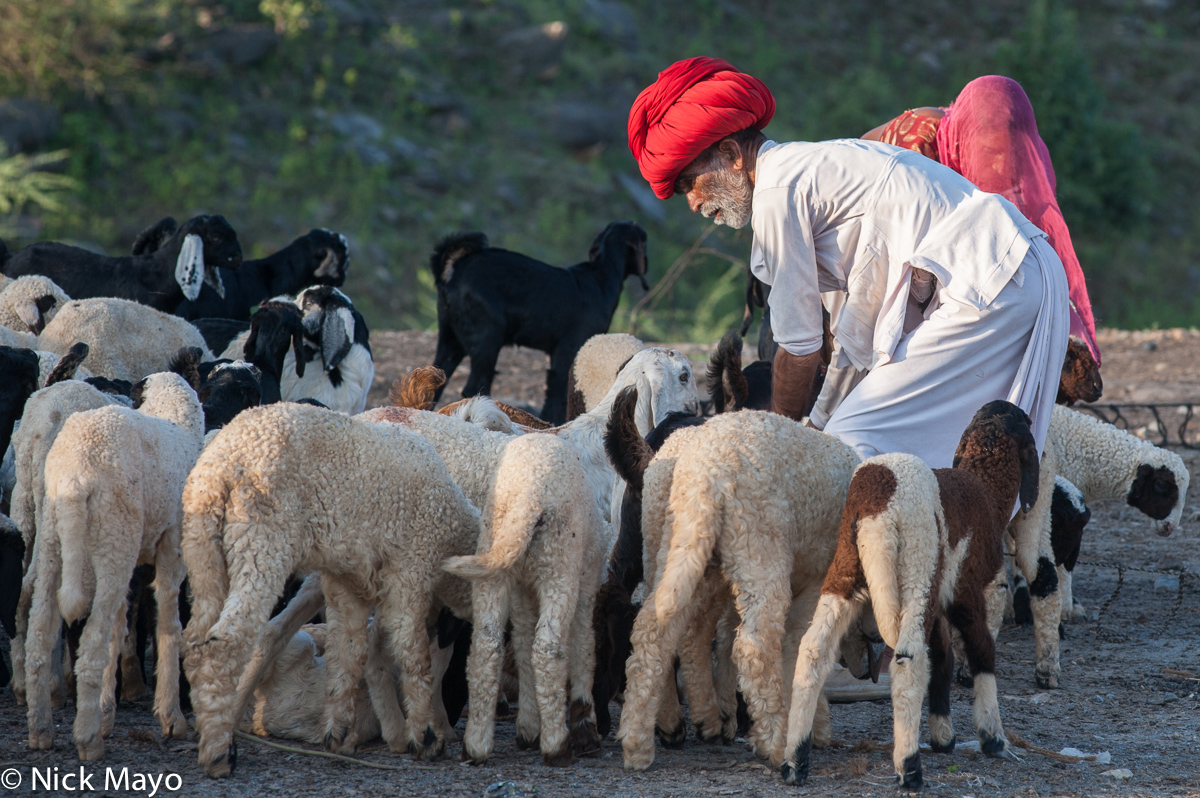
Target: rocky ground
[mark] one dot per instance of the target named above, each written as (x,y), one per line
(1130,682)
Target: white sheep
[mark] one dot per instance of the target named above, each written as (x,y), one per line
(388,515)
(595,368)
(29,303)
(45,413)
(922,546)
(541,553)
(127,340)
(113,479)
(726,493)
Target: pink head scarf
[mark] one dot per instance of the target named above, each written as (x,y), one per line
(990,137)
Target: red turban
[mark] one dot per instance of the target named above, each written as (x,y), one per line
(693,104)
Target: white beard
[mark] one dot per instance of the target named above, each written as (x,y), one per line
(730,193)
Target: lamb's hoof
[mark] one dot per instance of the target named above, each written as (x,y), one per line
(526,744)
(795,769)
(1046,679)
(964,677)
(90,750)
(584,737)
(709,738)
(134,692)
(995,747)
(673,738)
(336,741)
(943,748)
(430,748)
(911,780)
(41,740)
(473,759)
(559,758)
(223,765)
(175,727)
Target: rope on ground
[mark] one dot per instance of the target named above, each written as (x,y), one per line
(1021,742)
(1182,574)
(291,749)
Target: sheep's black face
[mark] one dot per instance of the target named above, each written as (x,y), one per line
(1080,380)
(331,256)
(1154,491)
(221,247)
(227,391)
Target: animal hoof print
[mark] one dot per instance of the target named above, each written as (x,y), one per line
(673,738)
(911,781)
(943,748)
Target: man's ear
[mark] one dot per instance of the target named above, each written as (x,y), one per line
(731,152)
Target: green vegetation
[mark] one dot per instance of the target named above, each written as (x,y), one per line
(398,122)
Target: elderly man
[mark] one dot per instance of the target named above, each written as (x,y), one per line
(942,297)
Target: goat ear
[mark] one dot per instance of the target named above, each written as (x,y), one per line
(251,342)
(1030,473)
(189,267)
(337,336)
(298,349)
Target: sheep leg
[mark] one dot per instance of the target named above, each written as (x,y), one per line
(490,598)
(649,667)
(450,353)
(133,681)
(216,657)
(170,572)
(1035,558)
(968,614)
(799,616)
(941,674)
(554,409)
(910,679)
(585,738)
(557,597)
(668,721)
(403,612)
(45,624)
(345,660)
(439,659)
(523,618)
(99,648)
(757,652)
(381,688)
(695,660)
(819,650)
(17,652)
(483,368)
(725,680)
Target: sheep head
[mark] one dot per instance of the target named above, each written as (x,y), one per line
(331,256)
(328,317)
(1001,430)
(276,326)
(1080,380)
(664,382)
(1155,491)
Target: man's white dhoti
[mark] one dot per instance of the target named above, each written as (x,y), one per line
(960,358)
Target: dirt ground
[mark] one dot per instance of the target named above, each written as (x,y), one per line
(1130,685)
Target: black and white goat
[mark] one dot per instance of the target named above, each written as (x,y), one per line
(276,329)
(337,334)
(161,279)
(489,298)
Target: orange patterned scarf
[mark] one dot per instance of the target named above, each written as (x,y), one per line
(913,132)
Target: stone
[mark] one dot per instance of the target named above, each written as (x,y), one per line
(578,125)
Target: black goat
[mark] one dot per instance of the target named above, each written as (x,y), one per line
(19,370)
(224,388)
(614,614)
(734,388)
(490,298)
(319,257)
(161,279)
(275,328)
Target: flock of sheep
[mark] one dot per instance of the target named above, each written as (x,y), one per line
(205,415)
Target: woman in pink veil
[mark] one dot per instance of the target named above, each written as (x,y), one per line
(989,135)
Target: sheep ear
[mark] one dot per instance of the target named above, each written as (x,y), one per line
(29,315)
(189,268)
(251,341)
(337,336)
(1030,474)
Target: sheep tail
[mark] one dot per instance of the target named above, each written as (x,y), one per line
(627,450)
(726,382)
(693,530)
(67,512)
(450,250)
(417,389)
(65,368)
(186,363)
(509,543)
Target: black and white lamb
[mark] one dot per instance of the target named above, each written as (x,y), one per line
(276,329)
(161,279)
(337,335)
(489,298)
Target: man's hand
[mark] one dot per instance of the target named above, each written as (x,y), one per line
(791,383)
